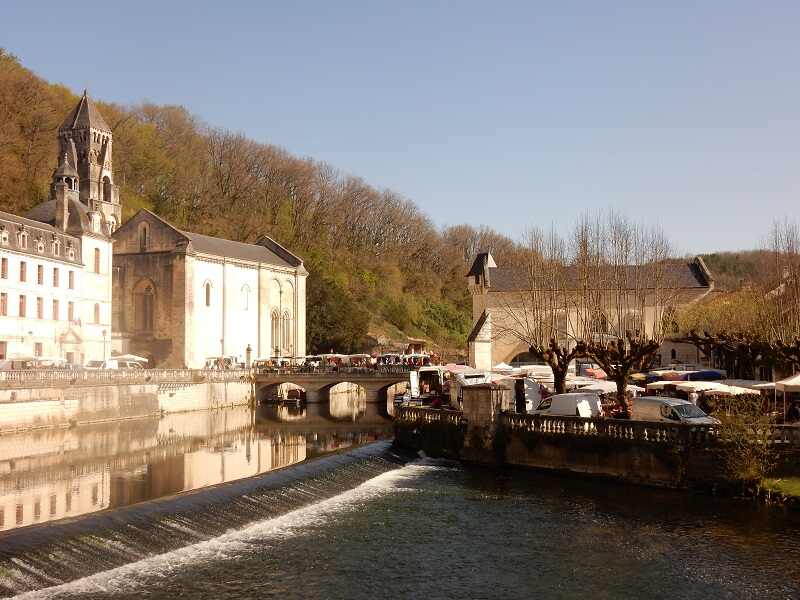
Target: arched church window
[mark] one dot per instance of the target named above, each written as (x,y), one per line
(275,332)
(245,297)
(208,293)
(287,332)
(106,189)
(144,237)
(144,306)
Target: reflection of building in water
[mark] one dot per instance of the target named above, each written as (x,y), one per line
(229,460)
(53,500)
(347,401)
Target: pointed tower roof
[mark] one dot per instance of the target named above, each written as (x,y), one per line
(84,116)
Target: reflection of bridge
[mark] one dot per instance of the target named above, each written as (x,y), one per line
(317,384)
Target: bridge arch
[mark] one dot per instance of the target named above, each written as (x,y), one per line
(284,390)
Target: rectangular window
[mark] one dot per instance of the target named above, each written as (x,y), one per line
(97,314)
(55,310)
(95,494)
(72,280)
(40,274)
(3,304)
(55,277)
(3,350)
(97,260)
(4,268)
(37,510)
(22,305)
(37,349)
(70,311)
(40,308)
(68,501)
(52,505)
(20,514)
(23,271)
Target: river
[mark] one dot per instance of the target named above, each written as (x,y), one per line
(313,502)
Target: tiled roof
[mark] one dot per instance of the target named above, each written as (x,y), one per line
(84,116)
(33,225)
(229,249)
(78,216)
(674,274)
(476,329)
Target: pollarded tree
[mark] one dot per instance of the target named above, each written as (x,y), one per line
(544,314)
(635,289)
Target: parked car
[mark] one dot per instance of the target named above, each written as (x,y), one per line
(129,364)
(670,410)
(103,364)
(574,404)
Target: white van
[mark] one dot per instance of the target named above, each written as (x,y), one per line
(670,410)
(95,365)
(575,404)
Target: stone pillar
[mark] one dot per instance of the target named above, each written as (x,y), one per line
(482,405)
(313,396)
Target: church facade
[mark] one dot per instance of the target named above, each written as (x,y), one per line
(55,262)
(182,298)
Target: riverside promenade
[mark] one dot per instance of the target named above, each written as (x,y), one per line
(652,453)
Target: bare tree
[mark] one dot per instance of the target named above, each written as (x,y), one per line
(636,290)
(543,313)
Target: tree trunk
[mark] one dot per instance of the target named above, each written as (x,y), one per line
(621,381)
(559,378)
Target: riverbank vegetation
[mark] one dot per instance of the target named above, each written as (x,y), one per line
(380,269)
(377,263)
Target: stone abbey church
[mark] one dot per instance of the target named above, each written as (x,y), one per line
(77,283)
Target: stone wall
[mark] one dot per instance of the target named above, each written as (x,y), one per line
(22,409)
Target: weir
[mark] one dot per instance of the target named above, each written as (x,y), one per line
(66,550)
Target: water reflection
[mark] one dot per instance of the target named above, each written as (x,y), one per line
(50,474)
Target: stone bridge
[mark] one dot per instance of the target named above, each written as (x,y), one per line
(318,383)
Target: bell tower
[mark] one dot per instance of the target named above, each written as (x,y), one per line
(85,138)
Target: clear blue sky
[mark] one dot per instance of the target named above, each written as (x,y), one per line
(497,113)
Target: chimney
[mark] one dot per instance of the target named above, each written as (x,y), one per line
(62,206)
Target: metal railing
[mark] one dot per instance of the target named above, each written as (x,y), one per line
(56,377)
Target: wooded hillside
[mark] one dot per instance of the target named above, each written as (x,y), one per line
(376,262)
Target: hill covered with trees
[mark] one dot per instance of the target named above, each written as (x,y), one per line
(377,264)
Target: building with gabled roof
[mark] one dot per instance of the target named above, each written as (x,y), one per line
(502,295)
(182,298)
(55,262)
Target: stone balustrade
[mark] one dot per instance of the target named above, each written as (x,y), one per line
(30,378)
(415,414)
(658,432)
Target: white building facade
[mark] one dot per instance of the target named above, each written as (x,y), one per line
(182,298)
(55,263)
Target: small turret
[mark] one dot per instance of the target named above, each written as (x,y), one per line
(64,189)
